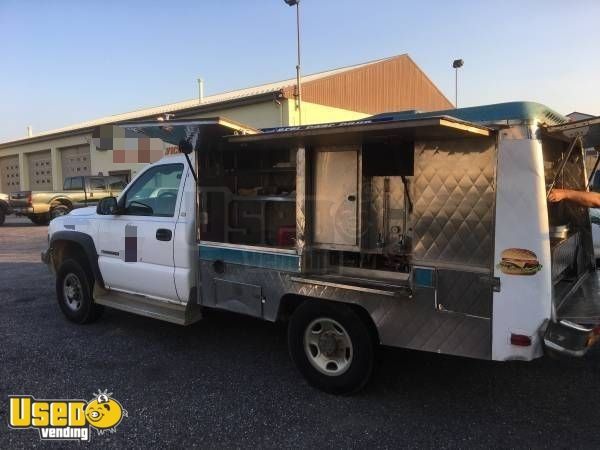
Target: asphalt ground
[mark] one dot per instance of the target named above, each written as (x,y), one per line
(227,381)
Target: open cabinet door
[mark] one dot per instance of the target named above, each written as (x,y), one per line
(587,129)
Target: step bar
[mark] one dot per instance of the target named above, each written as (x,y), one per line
(180,314)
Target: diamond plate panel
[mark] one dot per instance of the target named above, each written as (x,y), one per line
(453,197)
(401,321)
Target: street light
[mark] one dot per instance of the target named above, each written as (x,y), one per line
(457,64)
(298,93)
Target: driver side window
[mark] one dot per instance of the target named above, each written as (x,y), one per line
(155,192)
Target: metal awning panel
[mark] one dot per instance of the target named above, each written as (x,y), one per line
(438,127)
(174,131)
(588,130)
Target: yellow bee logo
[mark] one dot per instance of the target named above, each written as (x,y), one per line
(104,413)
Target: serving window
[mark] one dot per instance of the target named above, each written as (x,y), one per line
(247,196)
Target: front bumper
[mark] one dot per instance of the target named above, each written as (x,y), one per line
(46,256)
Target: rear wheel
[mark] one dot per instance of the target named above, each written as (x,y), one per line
(74,287)
(2,216)
(332,346)
(58,210)
(39,219)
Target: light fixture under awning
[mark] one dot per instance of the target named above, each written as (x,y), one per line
(587,129)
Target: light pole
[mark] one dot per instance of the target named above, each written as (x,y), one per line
(457,64)
(298,93)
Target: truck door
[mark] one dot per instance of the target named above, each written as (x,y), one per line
(136,248)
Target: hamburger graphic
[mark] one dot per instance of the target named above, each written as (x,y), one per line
(519,261)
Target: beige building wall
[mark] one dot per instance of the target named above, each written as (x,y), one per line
(259,115)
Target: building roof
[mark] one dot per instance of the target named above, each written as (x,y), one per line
(209,100)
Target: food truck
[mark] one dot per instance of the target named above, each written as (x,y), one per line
(425,231)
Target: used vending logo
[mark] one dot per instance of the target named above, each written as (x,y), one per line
(66,419)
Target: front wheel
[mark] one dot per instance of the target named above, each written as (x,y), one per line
(332,346)
(2,216)
(74,293)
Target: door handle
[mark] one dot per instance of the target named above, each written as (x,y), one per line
(163,234)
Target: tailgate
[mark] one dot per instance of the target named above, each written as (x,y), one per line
(20,198)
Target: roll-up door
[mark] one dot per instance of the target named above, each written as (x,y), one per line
(75,161)
(9,172)
(40,171)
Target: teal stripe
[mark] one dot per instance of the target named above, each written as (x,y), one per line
(267,260)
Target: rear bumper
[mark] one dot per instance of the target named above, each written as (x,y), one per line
(570,339)
(23,210)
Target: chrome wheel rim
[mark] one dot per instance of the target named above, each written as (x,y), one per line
(72,292)
(328,346)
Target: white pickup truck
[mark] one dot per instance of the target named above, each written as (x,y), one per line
(423,231)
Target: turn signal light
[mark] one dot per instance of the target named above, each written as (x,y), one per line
(520,339)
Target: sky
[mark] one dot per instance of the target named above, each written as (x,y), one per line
(67,61)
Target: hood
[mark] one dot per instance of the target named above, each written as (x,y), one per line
(88,211)
(3,197)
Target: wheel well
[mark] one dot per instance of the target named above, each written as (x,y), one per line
(3,206)
(62,250)
(61,201)
(289,303)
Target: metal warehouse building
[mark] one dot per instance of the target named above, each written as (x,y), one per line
(42,161)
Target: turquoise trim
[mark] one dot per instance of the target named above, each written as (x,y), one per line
(520,111)
(263,259)
(424,277)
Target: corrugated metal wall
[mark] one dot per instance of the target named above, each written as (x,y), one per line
(396,84)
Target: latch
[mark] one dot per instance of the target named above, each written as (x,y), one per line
(494,282)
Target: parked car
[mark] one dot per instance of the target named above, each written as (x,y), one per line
(4,208)
(42,206)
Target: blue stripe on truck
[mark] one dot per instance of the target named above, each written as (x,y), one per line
(267,260)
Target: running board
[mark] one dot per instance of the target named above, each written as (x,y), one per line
(149,307)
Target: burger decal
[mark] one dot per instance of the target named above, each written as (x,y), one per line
(519,261)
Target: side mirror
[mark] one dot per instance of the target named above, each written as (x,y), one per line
(185,147)
(107,206)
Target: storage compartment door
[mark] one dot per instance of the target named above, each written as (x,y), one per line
(336,197)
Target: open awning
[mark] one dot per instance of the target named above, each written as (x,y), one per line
(194,130)
(588,130)
(438,127)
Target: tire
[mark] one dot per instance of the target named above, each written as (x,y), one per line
(2,216)
(74,286)
(59,210)
(332,346)
(39,219)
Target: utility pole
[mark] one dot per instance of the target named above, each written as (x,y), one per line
(298,93)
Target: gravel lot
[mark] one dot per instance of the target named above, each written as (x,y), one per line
(227,381)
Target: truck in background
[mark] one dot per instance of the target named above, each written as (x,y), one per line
(43,206)
(5,209)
